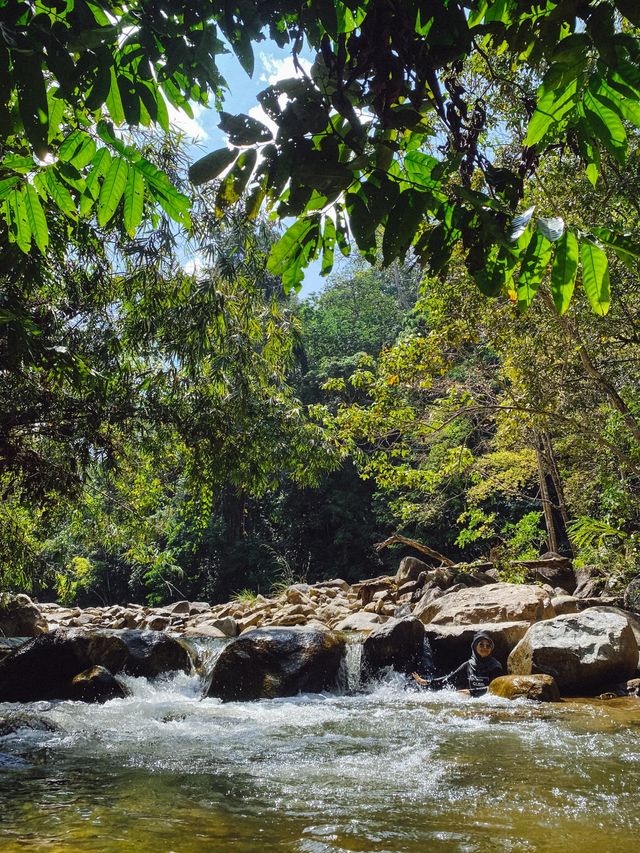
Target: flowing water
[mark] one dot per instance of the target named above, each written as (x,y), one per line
(384,770)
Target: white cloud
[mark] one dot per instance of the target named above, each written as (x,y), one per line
(194,265)
(280,69)
(190,126)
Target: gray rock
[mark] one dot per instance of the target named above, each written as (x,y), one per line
(409,570)
(360,621)
(20,617)
(398,643)
(496,602)
(44,667)
(564,604)
(584,651)
(632,596)
(270,662)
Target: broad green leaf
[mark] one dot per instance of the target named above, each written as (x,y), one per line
(563,272)
(532,271)
(287,244)
(552,108)
(36,217)
(244,130)
(21,232)
(492,277)
(606,125)
(328,245)
(595,276)
(58,192)
(101,163)
(419,167)
(592,173)
(7,185)
(133,201)
(18,163)
(78,149)
(626,248)
(210,166)
(113,101)
(32,101)
(402,224)
(112,189)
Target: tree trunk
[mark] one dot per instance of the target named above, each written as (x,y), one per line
(547,505)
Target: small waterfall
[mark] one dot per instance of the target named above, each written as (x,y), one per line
(208,650)
(350,673)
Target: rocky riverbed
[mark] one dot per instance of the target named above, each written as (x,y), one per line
(573,635)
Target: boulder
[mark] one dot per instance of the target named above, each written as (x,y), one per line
(583,651)
(270,662)
(451,644)
(204,629)
(227,625)
(632,596)
(398,643)
(410,569)
(589,583)
(20,617)
(540,688)
(178,607)
(563,604)
(553,569)
(365,590)
(496,602)
(44,667)
(96,684)
(360,621)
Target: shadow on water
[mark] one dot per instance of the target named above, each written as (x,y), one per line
(388,769)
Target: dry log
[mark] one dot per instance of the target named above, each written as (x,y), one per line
(424,549)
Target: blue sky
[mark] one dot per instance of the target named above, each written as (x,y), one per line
(271,63)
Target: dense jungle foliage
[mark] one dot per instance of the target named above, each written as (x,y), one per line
(169,434)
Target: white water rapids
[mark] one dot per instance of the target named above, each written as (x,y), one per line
(386,770)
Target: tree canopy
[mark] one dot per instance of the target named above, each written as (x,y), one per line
(381,135)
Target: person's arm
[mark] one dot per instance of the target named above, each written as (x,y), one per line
(457,678)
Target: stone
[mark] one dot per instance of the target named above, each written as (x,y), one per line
(204,629)
(20,617)
(178,607)
(497,602)
(227,625)
(632,596)
(365,589)
(563,604)
(398,643)
(271,662)
(96,684)
(158,623)
(451,644)
(44,667)
(335,583)
(430,593)
(540,688)
(409,570)
(584,651)
(588,582)
(360,621)
(553,569)
(197,607)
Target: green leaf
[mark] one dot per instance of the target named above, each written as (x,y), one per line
(625,247)
(328,245)
(113,101)
(7,185)
(244,130)
(18,163)
(112,189)
(210,166)
(563,272)
(21,232)
(402,224)
(293,251)
(595,276)
(534,265)
(419,168)
(551,109)
(32,101)
(58,193)
(133,201)
(101,163)
(77,149)
(592,174)
(606,125)
(36,218)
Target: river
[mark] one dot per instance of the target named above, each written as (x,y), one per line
(385,770)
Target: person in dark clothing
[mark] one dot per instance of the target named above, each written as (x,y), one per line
(474,674)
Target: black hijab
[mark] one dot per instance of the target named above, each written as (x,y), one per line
(482,671)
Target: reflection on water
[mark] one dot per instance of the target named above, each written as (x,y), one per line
(390,770)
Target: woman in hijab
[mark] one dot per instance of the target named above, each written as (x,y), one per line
(474,674)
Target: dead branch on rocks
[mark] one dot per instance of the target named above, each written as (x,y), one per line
(396,539)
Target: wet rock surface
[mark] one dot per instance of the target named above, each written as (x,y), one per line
(272,662)
(539,688)
(398,644)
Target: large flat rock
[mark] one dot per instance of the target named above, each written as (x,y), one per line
(496,602)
